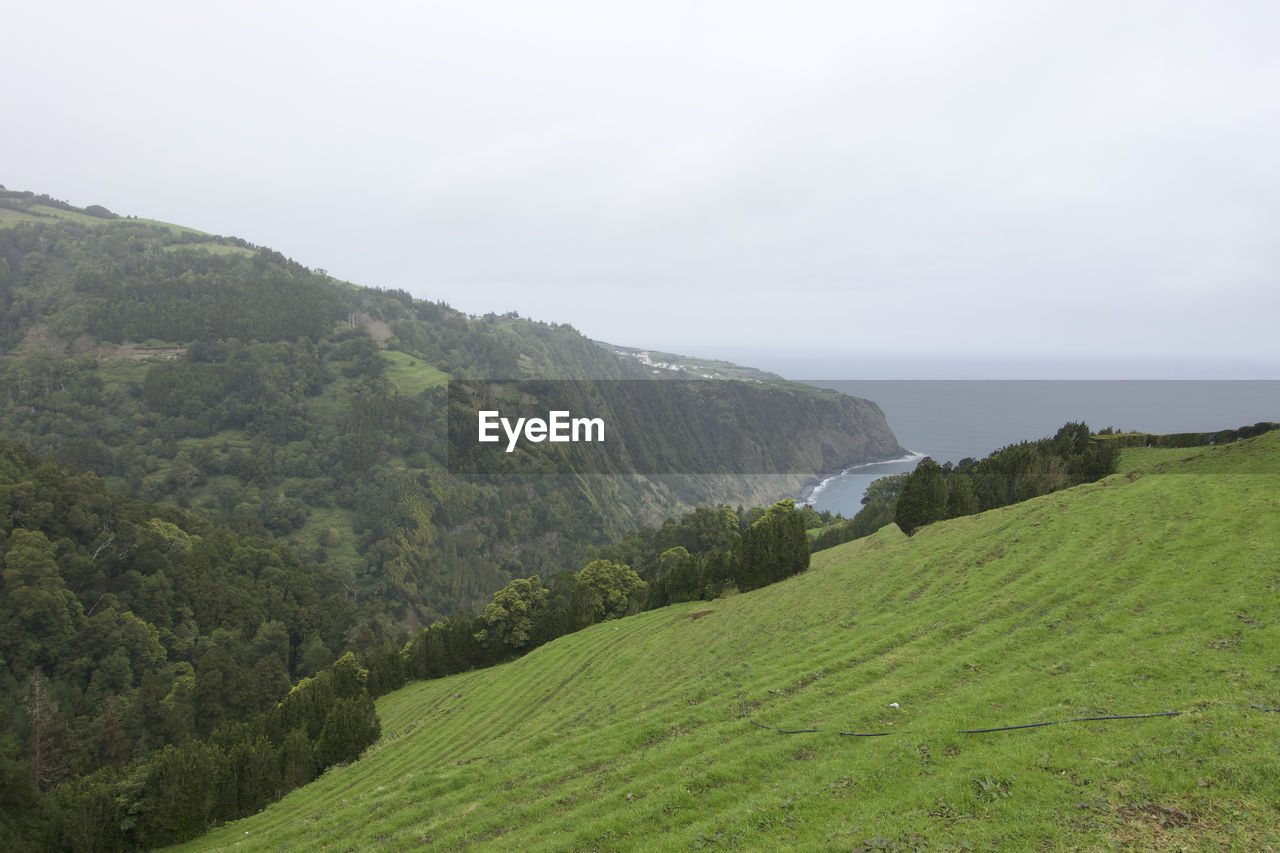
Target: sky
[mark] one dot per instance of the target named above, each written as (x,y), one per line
(827,189)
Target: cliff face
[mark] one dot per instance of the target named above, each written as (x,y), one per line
(660,427)
(664,445)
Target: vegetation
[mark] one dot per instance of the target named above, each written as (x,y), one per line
(205,697)
(527,613)
(933,492)
(1007,475)
(167,658)
(773,548)
(1184,439)
(144,732)
(280,437)
(1146,592)
(176,793)
(126,626)
(279,402)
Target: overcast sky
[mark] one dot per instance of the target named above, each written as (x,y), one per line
(831,189)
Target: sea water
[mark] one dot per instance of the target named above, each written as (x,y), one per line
(950,420)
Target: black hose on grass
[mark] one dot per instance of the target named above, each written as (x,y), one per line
(1072,720)
(974,731)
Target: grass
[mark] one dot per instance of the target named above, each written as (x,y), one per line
(410,374)
(1155,590)
(176,230)
(211,246)
(120,376)
(43,213)
(37,212)
(330,528)
(9,217)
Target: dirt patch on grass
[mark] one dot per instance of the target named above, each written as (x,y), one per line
(1152,826)
(697,614)
(1163,816)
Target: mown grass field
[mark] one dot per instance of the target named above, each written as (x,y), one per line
(1153,591)
(43,212)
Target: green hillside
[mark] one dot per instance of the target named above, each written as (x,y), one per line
(1152,591)
(219,376)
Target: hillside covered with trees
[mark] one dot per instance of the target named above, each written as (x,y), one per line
(230,518)
(217,376)
(159,673)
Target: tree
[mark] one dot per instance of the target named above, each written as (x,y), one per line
(19,801)
(88,815)
(1072,439)
(173,794)
(48,731)
(314,656)
(297,760)
(351,727)
(924,497)
(609,590)
(680,575)
(717,572)
(254,772)
(885,490)
(774,547)
(39,616)
(961,499)
(115,746)
(511,615)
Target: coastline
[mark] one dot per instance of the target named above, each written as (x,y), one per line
(811,492)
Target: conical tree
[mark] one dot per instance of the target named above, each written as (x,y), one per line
(774,547)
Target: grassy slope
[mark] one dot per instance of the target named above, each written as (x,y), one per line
(43,213)
(1144,593)
(37,213)
(411,375)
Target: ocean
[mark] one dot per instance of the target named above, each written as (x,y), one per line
(953,419)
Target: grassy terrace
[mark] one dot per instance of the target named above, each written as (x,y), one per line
(1155,590)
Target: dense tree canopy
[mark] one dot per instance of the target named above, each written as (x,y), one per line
(774,547)
(611,589)
(933,492)
(512,613)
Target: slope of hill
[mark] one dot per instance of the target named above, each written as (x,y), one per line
(210,373)
(1153,591)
